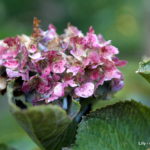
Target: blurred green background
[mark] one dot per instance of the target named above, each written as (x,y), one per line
(126,23)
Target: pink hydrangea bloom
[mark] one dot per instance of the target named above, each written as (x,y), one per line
(53,66)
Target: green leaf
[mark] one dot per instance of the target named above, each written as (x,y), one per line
(103,103)
(48,125)
(5,147)
(122,126)
(144,69)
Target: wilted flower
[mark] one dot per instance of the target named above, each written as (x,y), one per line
(53,66)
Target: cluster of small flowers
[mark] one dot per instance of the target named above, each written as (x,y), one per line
(52,66)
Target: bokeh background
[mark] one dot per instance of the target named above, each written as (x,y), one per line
(125,22)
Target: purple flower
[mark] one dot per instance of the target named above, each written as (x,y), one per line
(117,85)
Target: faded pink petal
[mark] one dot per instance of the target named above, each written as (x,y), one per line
(12,74)
(109,51)
(102,41)
(3,49)
(51,27)
(36,56)
(11,64)
(85,90)
(52,98)
(78,53)
(46,71)
(86,61)
(15,74)
(43,87)
(74,70)
(25,75)
(118,62)
(12,41)
(1,62)
(23,58)
(101,81)
(92,39)
(94,57)
(58,90)
(73,31)
(32,49)
(31,84)
(58,66)
(50,34)
(112,74)
(70,82)
(95,74)
(56,77)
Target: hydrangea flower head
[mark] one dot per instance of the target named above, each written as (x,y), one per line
(52,66)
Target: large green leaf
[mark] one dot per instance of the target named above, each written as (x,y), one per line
(45,124)
(48,125)
(103,103)
(144,69)
(122,126)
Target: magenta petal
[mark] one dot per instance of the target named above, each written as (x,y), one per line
(95,74)
(43,87)
(118,62)
(46,71)
(110,50)
(59,66)
(94,57)
(11,64)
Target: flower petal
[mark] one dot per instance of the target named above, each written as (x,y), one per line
(85,90)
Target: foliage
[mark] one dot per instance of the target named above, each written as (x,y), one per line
(144,69)
(121,126)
